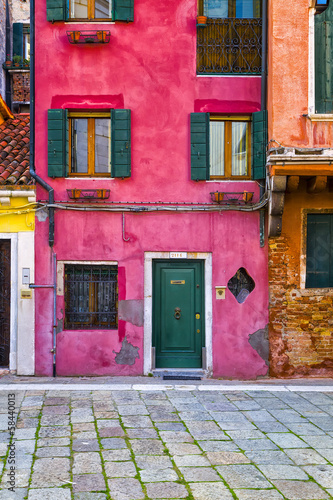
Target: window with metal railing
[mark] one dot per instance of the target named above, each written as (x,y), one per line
(230,42)
(91,297)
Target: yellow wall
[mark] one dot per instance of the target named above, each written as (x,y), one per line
(11,221)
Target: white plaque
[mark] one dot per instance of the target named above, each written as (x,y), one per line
(178,255)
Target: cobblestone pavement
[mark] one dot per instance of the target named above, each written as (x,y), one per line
(153,442)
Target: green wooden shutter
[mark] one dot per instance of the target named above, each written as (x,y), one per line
(259,144)
(323,61)
(123,10)
(120,142)
(57,143)
(199,146)
(319,251)
(56,10)
(18,39)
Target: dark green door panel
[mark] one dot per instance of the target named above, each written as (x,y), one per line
(178,315)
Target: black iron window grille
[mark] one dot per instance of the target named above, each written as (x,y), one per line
(91,297)
(229,46)
(241,285)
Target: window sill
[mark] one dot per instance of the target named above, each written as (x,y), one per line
(312,292)
(219,75)
(320,117)
(230,180)
(70,178)
(84,21)
(90,331)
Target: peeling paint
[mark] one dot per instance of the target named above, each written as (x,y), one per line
(259,341)
(131,311)
(127,354)
(60,322)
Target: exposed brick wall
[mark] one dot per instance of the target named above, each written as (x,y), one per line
(301,320)
(21,87)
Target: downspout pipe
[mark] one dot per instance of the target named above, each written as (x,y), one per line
(38,179)
(8,52)
(263,105)
(264,57)
(33,174)
(54,286)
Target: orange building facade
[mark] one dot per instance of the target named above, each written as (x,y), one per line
(300,176)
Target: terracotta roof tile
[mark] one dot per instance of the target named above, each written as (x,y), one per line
(14,151)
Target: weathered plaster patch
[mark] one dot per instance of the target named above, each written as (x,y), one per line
(60,322)
(259,341)
(131,311)
(127,354)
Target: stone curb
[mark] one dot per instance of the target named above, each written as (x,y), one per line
(161,387)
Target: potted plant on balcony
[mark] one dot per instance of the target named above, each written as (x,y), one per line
(26,63)
(74,36)
(101,35)
(201,20)
(17,61)
(8,61)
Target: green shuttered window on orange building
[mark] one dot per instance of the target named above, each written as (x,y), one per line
(319,251)
(323,61)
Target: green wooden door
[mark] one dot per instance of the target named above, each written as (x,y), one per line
(178,313)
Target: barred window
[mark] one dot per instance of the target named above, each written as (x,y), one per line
(91,297)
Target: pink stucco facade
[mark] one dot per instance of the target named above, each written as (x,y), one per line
(149,66)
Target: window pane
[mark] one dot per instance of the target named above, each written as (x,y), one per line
(102,145)
(247,8)
(26,46)
(103,9)
(216,144)
(79,144)
(79,9)
(232,8)
(216,8)
(239,148)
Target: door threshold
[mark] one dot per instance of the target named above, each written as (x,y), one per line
(179,373)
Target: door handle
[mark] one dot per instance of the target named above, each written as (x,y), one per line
(177,314)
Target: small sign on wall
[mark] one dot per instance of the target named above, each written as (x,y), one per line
(178,255)
(26,294)
(220,292)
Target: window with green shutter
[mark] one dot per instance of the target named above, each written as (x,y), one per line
(90,10)
(319,251)
(259,144)
(18,39)
(221,146)
(323,60)
(89,143)
(57,143)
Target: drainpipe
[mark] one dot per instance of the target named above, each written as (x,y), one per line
(263,104)
(54,286)
(264,56)
(8,97)
(33,174)
(41,181)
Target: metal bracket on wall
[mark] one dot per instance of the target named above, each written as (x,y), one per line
(125,239)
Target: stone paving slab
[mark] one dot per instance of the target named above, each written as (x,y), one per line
(153,441)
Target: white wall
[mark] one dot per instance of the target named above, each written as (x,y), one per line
(22,311)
